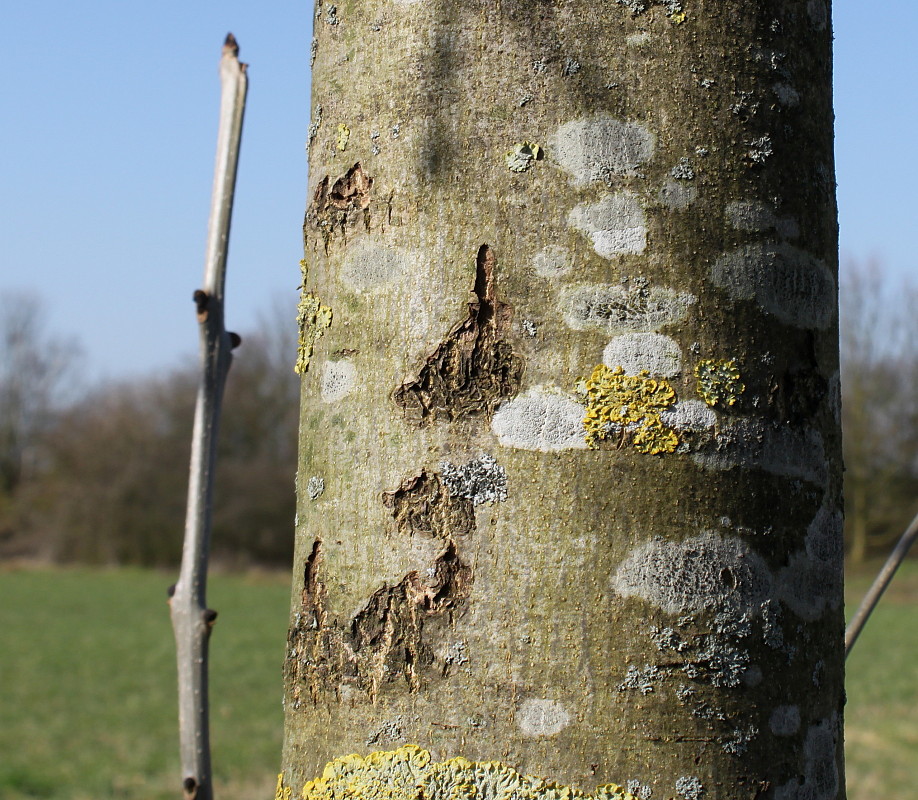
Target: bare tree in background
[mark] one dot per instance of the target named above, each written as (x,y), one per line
(879,357)
(32,366)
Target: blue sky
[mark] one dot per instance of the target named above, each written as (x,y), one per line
(109,116)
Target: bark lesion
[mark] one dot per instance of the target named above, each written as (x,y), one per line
(392,639)
(473,369)
(341,202)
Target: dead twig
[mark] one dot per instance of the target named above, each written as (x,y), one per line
(191,619)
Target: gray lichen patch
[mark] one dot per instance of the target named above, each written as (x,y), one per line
(809,587)
(675,194)
(653,352)
(615,225)
(787,95)
(338,380)
(473,369)
(599,147)
(541,419)
(823,540)
(369,265)
(689,415)
(633,306)
(643,791)
(481,480)
(706,572)
(780,450)
(689,787)
(789,283)
(538,717)
(784,720)
(756,216)
(315,487)
(552,262)
(820,779)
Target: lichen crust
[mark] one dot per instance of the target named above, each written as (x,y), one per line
(408,773)
(718,381)
(617,403)
(312,319)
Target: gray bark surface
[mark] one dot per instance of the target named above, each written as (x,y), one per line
(632,579)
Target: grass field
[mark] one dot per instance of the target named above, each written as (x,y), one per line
(87,685)
(88,706)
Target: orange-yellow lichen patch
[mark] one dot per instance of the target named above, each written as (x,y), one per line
(617,403)
(408,774)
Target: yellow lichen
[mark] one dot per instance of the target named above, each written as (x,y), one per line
(408,774)
(677,17)
(282,792)
(620,403)
(718,382)
(344,135)
(312,318)
(520,158)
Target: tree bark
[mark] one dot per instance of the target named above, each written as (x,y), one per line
(570,475)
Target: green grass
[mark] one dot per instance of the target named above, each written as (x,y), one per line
(881,718)
(87,685)
(88,700)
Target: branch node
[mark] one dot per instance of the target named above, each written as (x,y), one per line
(201,300)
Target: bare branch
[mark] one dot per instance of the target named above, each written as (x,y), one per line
(879,585)
(192,621)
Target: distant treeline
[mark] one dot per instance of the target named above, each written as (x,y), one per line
(103,478)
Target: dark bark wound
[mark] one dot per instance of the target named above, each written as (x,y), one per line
(472,370)
(336,204)
(391,639)
(423,505)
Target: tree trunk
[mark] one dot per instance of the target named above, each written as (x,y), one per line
(570,475)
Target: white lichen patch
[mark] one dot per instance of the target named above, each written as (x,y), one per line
(784,720)
(677,194)
(541,717)
(541,419)
(689,787)
(634,306)
(637,39)
(615,225)
(315,487)
(338,380)
(780,450)
(640,790)
(653,352)
(789,283)
(689,415)
(481,480)
(820,778)
(756,216)
(703,572)
(552,262)
(597,148)
(368,265)
(787,95)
